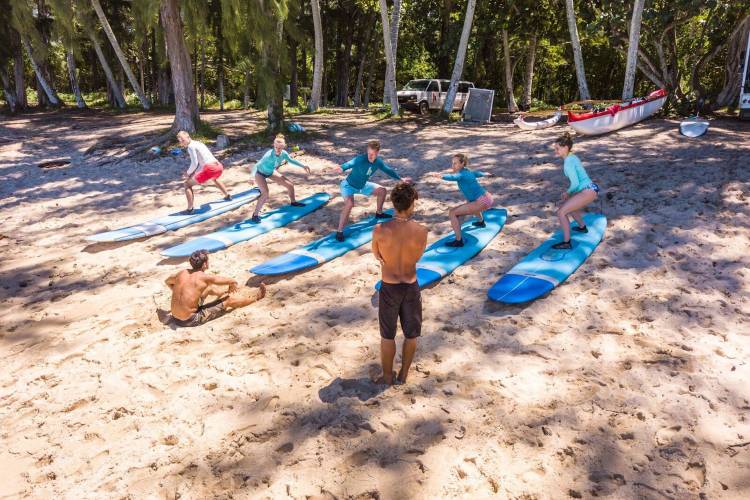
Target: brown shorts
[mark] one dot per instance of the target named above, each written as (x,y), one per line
(205,312)
(400,301)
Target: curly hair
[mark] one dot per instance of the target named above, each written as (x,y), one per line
(198,259)
(403,196)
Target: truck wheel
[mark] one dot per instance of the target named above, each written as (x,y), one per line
(423,108)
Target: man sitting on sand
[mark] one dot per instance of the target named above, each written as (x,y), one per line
(203,167)
(190,287)
(398,244)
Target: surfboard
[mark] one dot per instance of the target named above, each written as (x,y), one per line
(323,250)
(245,230)
(545,268)
(439,260)
(178,219)
(693,127)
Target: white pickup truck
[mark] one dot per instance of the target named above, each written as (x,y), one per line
(426,94)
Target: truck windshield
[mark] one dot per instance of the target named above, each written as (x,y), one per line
(417,85)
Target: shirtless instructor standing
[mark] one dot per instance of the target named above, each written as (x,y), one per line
(398,244)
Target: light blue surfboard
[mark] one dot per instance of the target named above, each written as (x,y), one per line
(545,268)
(245,230)
(322,250)
(178,219)
(439,260)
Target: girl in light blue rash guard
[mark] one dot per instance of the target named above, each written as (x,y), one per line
(581,192)
(265,170)
(478,200)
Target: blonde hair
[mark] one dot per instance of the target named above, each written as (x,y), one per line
(184,134)
(463,158)
(374,144)
(280,137)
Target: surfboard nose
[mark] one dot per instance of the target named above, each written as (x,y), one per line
(517,289)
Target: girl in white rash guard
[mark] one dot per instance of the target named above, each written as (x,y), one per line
(203,167)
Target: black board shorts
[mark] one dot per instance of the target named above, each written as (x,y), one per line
(400,301)
(205,313)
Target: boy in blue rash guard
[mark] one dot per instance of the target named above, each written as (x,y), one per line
(265,170)
(358,182)
(581,192)
(478,200)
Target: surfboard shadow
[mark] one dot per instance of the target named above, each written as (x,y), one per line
(360,388)
(104,246)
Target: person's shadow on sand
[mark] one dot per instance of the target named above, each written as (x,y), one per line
(360,388)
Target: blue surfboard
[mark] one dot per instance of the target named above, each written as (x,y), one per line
(178,219)
(545,268)
(439,260)
(322,250)
(245,230)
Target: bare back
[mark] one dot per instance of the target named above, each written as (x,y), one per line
(187,290)
(399,245)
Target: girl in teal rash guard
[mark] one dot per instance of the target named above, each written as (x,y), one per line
(477,199)
(265,170)
(581,192)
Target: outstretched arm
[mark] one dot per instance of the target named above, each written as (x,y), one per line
(215,279)
(451,177)
(286,156)
(389,171)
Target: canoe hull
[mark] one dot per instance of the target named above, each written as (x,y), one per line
(549,122)
(617,116)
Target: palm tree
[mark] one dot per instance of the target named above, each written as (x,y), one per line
(583,88)
(635,33)
(115,88)
(317,85)
(48,90)
(458,66)
(186,103)
(395,23)
(120,55)
(390,82)
(512,106)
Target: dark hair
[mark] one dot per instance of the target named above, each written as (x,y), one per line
(565,140)
(403,196)
(198,259)
(374,144)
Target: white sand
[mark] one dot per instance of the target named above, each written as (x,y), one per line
(629,380)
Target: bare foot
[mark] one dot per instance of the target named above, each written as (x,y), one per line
(401,379)
(383,380)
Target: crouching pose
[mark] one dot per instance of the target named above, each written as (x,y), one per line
(191,287)
(203,167)
(582,191)
(478,200)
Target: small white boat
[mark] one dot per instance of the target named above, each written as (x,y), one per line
(693,126)
(617,116)
(524,125)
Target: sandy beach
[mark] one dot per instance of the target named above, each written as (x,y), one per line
(630,380)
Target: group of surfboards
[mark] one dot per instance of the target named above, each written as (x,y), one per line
(535,275)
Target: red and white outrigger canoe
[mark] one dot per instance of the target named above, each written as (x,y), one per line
(617,116)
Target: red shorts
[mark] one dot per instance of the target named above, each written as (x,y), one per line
(208,172)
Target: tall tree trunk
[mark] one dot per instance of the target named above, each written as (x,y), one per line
(583,88)
(115,89)
(275,107)
(390,83)
(72,74)
(18,70)
(10,96)
(220,57)
(512,106)
(635,35)
(120,55)
(303,76)
(246,97)
(395,24)
(368,87)
(737,44)
(529,80)
(293,86)
(318,65)
(360,74)
(48,91)
(203,74)
(186,105)
(443,58)
(458,67)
